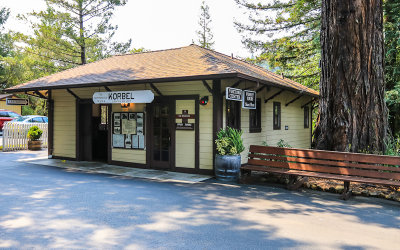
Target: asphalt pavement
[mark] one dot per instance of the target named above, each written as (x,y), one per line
(44,207)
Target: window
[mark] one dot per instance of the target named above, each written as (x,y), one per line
(277,115)
(233,114)
(104,114)
(255,118)
(306,117)
(37,119)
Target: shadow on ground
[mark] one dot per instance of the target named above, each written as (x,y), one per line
(46,207)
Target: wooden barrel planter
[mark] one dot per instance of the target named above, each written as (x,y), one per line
(227,167)
(34,145)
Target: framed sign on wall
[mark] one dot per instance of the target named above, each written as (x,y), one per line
(128,130)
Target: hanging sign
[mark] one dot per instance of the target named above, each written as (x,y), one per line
(249,99)
(137,96)
(233,94)
(17,101)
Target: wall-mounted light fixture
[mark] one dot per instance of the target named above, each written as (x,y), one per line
(125,105)
(204,100)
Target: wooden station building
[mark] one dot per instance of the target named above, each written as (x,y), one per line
(176,131)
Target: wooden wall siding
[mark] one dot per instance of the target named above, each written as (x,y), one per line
(293,116)
(64,124)
(17,109)
(65,107)
(185,139)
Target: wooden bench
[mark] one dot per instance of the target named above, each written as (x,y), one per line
(347,167)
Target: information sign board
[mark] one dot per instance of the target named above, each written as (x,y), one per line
(249,99)
(17,101)
(137,96)
(233,94)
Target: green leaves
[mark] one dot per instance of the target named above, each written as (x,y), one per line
(285,35)
(205,36)
(229,141)
(34,133)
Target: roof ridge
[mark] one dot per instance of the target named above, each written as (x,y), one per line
(151,51)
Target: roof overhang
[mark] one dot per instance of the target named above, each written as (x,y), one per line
(161,80)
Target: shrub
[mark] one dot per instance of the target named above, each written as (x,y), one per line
(282,144)
(34,133)
(229,141)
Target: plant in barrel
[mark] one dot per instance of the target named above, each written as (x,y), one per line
(229,145)
(34,135)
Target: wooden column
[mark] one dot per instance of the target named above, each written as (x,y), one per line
(50,111)
(217,112)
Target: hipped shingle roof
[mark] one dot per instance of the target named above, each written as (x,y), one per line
(185,63)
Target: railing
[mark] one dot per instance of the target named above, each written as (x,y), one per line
(15,135)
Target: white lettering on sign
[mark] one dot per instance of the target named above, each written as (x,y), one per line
(17,101)
(137,96)
(233,94)
(249,99)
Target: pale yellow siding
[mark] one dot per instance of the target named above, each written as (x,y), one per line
(14,108)
(185,139)
(139,156)
(292,116)
(64,124)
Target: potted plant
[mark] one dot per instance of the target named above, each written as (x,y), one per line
(228,161)
(34,135)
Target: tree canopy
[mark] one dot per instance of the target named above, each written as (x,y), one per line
(205,35)
(286,35)
(74,32)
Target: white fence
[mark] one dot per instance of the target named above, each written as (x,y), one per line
(15,135)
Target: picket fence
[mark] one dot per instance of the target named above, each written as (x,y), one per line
(15,135)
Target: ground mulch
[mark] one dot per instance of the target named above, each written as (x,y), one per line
(325,185)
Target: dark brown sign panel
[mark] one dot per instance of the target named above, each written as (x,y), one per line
(185,126)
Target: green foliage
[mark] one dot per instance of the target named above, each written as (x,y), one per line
(73,32)
(282,144)
(34,133)
(392,62)
(205,35)
(285,34)
(392,146)
(229,141)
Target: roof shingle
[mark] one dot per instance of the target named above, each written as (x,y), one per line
(190,61)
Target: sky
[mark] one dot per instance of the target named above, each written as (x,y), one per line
(158,24)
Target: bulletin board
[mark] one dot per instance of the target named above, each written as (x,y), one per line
(128,130)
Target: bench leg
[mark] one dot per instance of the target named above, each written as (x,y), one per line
(346,191)
(296,182)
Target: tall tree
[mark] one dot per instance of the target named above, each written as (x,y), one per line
(285,34)
(205,36)
(353,113)
(392,62)
(74,32)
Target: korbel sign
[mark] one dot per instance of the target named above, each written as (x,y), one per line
(137,96)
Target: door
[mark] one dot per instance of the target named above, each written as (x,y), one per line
(162,134)
(85,131)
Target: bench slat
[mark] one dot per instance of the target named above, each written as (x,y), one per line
(325,169)
(322,175)
(324,162)
(327,155)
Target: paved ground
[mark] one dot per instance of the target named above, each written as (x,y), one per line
(47,207)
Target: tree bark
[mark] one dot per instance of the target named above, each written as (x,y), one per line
(82,35)
(353,113)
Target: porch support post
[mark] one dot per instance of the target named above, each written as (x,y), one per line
(217,112)
(50,127)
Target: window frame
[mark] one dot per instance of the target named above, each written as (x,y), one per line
(238,107)
(255,127)
(306,117)
(277,117)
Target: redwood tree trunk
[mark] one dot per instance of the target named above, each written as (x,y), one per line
(353,113)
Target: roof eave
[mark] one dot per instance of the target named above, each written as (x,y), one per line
(272,84)
(152,80)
